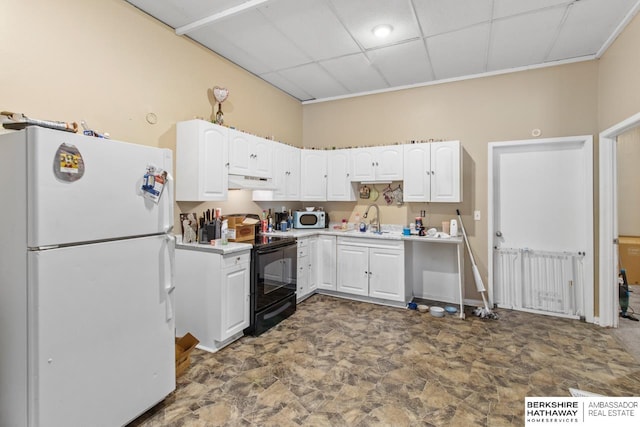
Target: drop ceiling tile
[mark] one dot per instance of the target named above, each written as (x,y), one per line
(355,73)
(312,26)
(459,53)
(437,16)
(524,39)
(285,85)
(579,36)
(253,33)
(403,64)
(503,8)
(227,48)
(361,16)
(177,13)
(314,80)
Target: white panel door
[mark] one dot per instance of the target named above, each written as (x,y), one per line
(261,160)
(363,162)
(445,172)
(339,187)
(326,262)
(235,300)
(240,153)
(293,173)
(389,163)
(313,172)
(353,270)
(107,202)
(417,173)
(101,331)
(386,280)
(541,224)
(201,161)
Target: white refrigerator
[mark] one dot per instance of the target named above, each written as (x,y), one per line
(86,270)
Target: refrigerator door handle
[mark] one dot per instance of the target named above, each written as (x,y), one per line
(170,303)
(169,286)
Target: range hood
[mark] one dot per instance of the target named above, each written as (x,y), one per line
(241,182)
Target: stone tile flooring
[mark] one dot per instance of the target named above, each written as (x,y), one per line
(343,363)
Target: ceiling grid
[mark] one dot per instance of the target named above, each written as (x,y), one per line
(325,49)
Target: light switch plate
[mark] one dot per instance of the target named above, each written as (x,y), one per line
(476,215)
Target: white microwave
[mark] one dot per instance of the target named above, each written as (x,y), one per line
(305,219)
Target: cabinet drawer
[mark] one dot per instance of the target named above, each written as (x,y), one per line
(235,259)
(303,252)
(303,243)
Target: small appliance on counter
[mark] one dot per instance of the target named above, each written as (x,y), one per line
(310,219)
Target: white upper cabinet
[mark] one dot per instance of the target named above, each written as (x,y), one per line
(249,155)
(384,163)
(433,172)
(313,175)
(201,161)
(286,175)
(339,186)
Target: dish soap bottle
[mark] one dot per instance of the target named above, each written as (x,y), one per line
(224,230)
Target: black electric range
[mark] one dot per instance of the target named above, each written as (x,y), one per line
(273,281)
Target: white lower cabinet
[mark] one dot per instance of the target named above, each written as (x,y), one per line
(212,296)
(307,270)
(373,268)
(326,263)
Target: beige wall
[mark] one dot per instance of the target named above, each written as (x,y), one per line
(628,155)
(619,78)
(109,64)
(560,101)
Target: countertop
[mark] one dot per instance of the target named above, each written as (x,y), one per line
(389,232)
(219,248)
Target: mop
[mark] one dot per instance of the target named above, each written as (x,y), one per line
(482,312)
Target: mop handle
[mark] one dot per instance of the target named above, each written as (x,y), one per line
(466,240)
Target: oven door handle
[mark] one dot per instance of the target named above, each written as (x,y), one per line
(272,249)
(266,251)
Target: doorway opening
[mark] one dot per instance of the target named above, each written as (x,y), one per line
(608,229)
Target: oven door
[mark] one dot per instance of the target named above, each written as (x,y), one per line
(275,274)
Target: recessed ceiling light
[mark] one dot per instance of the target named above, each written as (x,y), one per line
(382,31)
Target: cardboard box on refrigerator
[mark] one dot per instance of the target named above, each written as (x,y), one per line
(629,247)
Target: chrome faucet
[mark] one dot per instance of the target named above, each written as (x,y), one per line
(376,227)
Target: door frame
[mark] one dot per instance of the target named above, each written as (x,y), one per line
(608,228)
(587,140)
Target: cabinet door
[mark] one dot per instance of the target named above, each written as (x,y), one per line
(313,171)
(260,158)
(386,280)
(363,163)
(353,270)
(240,153)
(446,171)
(302,277)
(201,157)
(292,174)
(279,173)
(312,265)
(339,187)
(326,263)
(235,300)
(417,173)
(389,163)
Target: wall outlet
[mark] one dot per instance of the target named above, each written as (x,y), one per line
(476,215)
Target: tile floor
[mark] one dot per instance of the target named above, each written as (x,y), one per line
(343,363)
